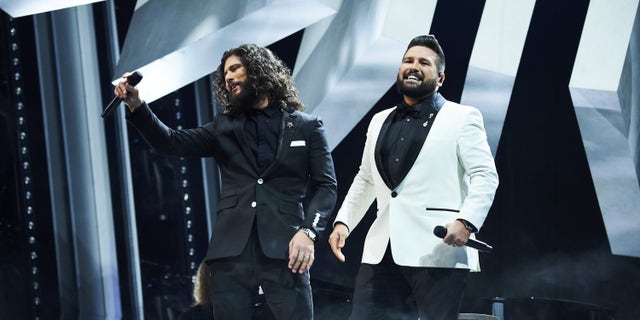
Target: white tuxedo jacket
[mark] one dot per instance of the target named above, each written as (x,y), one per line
(454,176)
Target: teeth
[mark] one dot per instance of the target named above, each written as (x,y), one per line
(412,78)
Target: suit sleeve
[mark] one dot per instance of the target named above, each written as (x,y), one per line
(475,157)
(188,142)
(362,190)
(322,179)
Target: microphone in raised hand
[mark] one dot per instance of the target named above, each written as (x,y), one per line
(133,79)
(441,232)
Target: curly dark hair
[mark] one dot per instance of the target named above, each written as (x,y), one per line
(266,73)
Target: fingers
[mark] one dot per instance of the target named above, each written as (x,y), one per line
(304,262)
(337,242)
(301,253)
(127,93)
(122,88)
(301,261)
(456,236)
(338,253)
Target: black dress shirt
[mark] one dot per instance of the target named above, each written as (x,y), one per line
(263,129)
(406,131)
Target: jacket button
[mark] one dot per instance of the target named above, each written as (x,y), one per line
(260,181)
(394,194)
(253,204)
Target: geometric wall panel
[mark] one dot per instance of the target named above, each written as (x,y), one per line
(604,127)
(27,7)
(348,62)
(174,43)
(494,62)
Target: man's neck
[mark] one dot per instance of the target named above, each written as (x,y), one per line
(413,101)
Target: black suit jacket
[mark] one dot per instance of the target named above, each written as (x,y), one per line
(275,197)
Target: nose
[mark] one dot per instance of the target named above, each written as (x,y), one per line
(228,79)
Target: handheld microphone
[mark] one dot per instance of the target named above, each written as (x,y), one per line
(133,79)
(441,231)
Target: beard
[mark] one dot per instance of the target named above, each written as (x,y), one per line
(245,100)
(426,88)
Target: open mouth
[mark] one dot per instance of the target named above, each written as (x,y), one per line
(412,78)
(234,87)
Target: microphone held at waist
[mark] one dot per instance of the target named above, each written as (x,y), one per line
(133,79)
(441,231)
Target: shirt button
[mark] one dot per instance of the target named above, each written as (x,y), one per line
(253,204)
(260,181)
(408,119)
(396,159)
(401,139)
(394,194)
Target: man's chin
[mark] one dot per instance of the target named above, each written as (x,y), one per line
(416,91)
(413,92)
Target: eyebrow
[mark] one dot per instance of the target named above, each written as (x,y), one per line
(233,66)
(416,58)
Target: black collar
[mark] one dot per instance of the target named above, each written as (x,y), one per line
(421,109)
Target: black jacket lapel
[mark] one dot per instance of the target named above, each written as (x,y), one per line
(379,143)
(419,138)
(428,116)
(288,127)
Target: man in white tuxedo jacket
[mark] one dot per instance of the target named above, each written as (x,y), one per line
(427,163)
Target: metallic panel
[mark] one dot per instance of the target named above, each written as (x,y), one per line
(166,37)
(20,8)
(604,127)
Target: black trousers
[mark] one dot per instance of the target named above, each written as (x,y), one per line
(235,281)
(389,291)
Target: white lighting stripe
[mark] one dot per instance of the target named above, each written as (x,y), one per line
(20,8)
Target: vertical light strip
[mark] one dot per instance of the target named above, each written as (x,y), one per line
(184,186)
(27,198)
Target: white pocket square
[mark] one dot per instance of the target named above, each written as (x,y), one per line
(297,143)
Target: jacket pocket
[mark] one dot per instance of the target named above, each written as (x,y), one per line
(227,203)
(442,209)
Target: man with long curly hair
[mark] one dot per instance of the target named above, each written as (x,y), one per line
(270,155)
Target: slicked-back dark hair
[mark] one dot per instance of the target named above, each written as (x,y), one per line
(266,73)
(432,43)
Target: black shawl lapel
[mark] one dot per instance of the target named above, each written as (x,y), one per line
(428,116)
(378,154)
(414,148)
(430,111)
